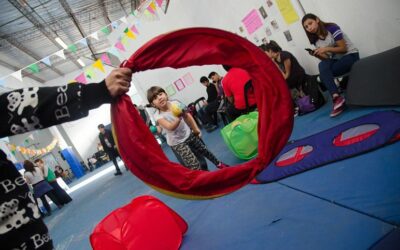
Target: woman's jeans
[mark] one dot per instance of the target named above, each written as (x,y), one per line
(331,68)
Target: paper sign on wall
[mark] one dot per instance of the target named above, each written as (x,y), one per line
(252,21)
(170,90)
(287,10)
(188,79)
(179,84)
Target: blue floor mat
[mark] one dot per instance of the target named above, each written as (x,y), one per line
(273,216)
(368,183)
(295,213)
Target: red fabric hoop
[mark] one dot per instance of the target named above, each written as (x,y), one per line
(203,46)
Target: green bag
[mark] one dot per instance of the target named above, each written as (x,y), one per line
(241,136)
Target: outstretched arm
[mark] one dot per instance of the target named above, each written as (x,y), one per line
(40,107)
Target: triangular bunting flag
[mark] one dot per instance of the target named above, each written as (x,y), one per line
(123,19)
(89,72)
(106,30)
(159,2)
(120,46)
(152,7)
(115,25)
(71,81)
(17,75)
(114,52)
(138,23)
(148,14)
(34,68)
(46,61)
(99,65)
(72,48)
(105,59)
(60,54)
(83,41)
(126,30)
(81,78)
(125,40)
(130,34)
(95,36)
(135,30)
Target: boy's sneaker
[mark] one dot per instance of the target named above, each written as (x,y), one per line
(222,165)
(210,127)
(338,106)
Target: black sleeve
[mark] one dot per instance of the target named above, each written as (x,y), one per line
(110,137)
(41,107)
(212,93)
(103,143)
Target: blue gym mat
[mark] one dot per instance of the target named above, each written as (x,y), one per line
(350,204)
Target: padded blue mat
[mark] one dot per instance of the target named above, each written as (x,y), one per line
(367,183)
(354,137)
(273,216)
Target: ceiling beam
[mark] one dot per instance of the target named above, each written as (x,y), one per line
(68,9)
(30,53)
(102,5)
(12,67)
(122,7)
(133,5)
(42,27)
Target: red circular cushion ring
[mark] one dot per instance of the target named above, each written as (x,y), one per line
(203,46)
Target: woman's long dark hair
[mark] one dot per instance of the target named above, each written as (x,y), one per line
(313,38)
(29,166)
(272,45)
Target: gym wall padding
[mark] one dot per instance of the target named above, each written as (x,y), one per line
(375,80)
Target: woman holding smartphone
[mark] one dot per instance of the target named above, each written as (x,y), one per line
(337,54)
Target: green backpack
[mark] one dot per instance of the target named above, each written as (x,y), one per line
(241,136)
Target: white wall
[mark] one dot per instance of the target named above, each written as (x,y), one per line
(373,26)
(226,15)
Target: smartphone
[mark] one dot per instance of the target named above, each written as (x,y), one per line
(309,50)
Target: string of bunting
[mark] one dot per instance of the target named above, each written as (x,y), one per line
(32,152)
(147,11)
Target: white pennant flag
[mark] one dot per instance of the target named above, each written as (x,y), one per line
(123,19)
(17,75)
(60,54)
(95,36)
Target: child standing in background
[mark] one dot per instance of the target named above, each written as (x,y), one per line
(337,54)
(182,133)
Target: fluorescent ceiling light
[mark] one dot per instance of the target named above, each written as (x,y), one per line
(81,62)
(61,42)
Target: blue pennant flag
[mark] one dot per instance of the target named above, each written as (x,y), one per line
(46,61)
